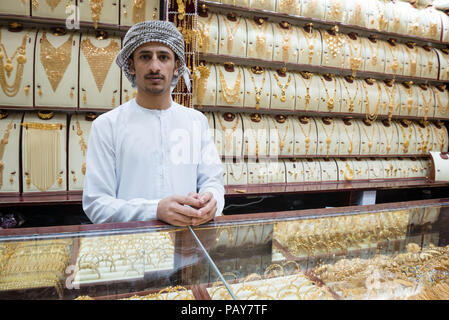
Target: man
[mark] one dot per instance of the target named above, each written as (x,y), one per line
(151,158)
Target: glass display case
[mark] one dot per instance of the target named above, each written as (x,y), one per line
(383,251)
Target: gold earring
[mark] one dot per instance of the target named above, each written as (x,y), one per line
(27,90)
(39,91)
(84,96)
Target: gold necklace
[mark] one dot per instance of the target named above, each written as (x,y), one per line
(412,59)
(204,34)
(3,142)
(12,90)
(426,103)
(350,137)
(425,142)
(374,55)
(336,10)
(442,137)
(310,39)
(351,99)
(328,136)
(200,83)
(286,35)
(334,43)
(55,60)
(395,64)
(255,135)
(99,59)
(442,110)
(372,116)
(82,144)
(257,91)
(95,7)
(387,139)
(391,95)
(368,136)
(231,32)
(410,99)
(404,135)
(261,31)
(230,95)
(283,88)
(330,100)
(240,175)
(139,11)
(228,135)
(307,97)
(53,4)
(307,136)
(348,173)
(281,140)
(310,172)
(355,62)
(43,153)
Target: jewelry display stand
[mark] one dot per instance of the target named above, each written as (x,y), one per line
(208,28)
(132,12)
(9,152)
(229,134)
(282,90)
(282,136)
(256,136)
(231,86)
(233,36)
(21,8)
(99,12)
(260,39)
(54,9)
(257,88)
(286,42)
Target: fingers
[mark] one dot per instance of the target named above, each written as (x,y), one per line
(208,216)
(205,197)
(188,200)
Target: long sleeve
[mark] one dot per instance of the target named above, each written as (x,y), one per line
(210,169)
(100,184)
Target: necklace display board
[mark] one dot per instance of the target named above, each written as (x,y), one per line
(16,67)
(256,135)
(329,170)
(331,100)
(282,136)
(429,63)
(21,7)
(9,151)
(205,85)
(308,91)
(334,44)
(288,6)
(409,96)
(275,172)
(310,46)
(231,86)
(99,76)
(374,54)
(351,95)
(80,125)
(294,171)
(229,134)
(257,172)
(286,42)
(233,35)
(389,138)
(99,11)
(55,9)
(237,173)
(313,9)
(443,58)
(306,135)
(283,94)
(260,39)
(44,145)
(56,62)
(328,136)
(257,88)
(394,58)
(135,11)
(426,102)
(441,94)
(208,32)
(350,137)
(312,170)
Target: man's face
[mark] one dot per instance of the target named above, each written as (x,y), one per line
(154,66)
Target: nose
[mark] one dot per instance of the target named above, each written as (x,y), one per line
(154,65)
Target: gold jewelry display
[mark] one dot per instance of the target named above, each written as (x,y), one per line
(409,88)
(55,60)
(286,31)
(330,100)
(391,98)
(257,91)
(228,134)
(412,59)
(425,140)
(283,87)
(370,135)
(310,37)
(139,11)
(350,136)
(42,146)
(3,143)
(334,43)
(256,118)
(351,99)
(281,139)
(426,102)
(388,140)
(231,32)
(96,6)
(260,28)
(406,142)
(230,95)
(348,172)
(235,178)
(328,135)
(82,144)
(11,90)
(355,62)
(394,54)
(53,4)
(200,83)
(372,116)
(443,110)
(99,59)
(373,54)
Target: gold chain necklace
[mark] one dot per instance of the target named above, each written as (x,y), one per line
(55,60)
(261,31)
(226,131)
(350,137)
(348,173)
(425,141)
(334,43)
(204,34)
(404,135)
(257,91)
(82,144)
(307,136)
(370,137)
(230,95)
(12,90)
(410,99)
(426,103)
(372,116)
(391,95)
(395,64)
(307,97)
(374,55)
(3,142)
(387,139)
(443,110)
(231,32)
(283,88)
(328,136)
(95,7)
(412,59)
(442,137)
(286,35)
(240,175)
(99,59)
(53,4)
(200,83)
(281,140)
(355,62)
(139,11)
(330,100)
(351,99)
(310,39)
(255,136)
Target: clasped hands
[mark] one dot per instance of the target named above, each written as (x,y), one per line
(193,209)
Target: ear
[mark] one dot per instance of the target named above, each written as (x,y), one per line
(176,70)
(132,69)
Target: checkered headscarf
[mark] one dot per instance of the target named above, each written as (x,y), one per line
(159,31)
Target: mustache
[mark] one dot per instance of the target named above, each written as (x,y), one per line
(154,76)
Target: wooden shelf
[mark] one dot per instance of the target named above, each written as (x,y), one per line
(320,24)
(251,62)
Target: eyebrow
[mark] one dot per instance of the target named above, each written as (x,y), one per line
(158,52)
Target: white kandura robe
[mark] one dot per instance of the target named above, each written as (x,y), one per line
(137,156)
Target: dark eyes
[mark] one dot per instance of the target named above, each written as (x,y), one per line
(162,57)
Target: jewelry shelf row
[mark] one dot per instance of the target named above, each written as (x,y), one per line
(208,108)
(253,62)
(322,24)
(75,198)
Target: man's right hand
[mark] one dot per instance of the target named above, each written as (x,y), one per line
(174,210)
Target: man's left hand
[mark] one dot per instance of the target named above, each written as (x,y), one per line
(208,207)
